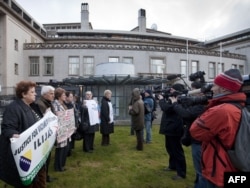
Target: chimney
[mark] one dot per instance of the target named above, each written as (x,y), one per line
(84,16)
(142,20)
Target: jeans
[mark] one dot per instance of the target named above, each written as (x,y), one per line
(200,182)
(209,184)
(148,129)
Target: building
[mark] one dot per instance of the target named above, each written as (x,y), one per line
(75,54)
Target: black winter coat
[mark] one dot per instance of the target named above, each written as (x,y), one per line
(106,126)
(189,114)
(17,118)
(171,122)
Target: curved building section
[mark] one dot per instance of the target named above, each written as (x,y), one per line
(115,68)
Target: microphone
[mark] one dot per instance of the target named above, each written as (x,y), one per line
(172,77)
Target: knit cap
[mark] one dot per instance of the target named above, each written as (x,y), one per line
(230,80)
(148,91)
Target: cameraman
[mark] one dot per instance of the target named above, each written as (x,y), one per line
(189,113)
(172,127)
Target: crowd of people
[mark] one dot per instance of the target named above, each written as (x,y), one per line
(198,125)
(209,127)
(25,111)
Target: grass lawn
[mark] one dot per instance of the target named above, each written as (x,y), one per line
(120,165)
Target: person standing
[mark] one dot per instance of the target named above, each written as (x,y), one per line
(89,116)
(20,115)
(148,115)
(45,103)
(189,113)
(218,126)
(62,147)
(136,110)
(107,118)
(70,104)
(172,127)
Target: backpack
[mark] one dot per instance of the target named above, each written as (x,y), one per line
(240,153)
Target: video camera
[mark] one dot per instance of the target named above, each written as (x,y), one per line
(185,97)
(166,92)
(205,89)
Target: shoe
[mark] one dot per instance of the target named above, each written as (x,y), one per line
(176,177)
(49,179)
(168,169)
(69,153)
(88,151)
(60,170)
(63,169)
(139,149)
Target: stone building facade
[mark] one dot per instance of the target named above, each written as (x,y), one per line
(71,52)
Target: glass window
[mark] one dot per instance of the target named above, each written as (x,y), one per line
(34,66)
(128,60)
(114,59)
(211,70)
(184,67)
(48,66)
(241,69)
(234,66)
(16,44)
(195,66)
(220,68)
(16,68)
(157,65)
(88,65)
(74,64)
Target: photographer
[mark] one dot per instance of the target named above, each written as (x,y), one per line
(189,114)
(218,125)
(172,127)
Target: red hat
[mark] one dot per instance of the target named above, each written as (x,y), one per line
(230,80)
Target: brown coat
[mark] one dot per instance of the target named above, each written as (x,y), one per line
(137,111)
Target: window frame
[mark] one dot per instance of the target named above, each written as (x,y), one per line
(48,63)
(34,65)
(71,68)
(86,63)
(160,68)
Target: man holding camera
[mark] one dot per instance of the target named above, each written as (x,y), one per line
(189,110)
(172,127)
(218,125)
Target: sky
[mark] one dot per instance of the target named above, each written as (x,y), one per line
(198,19)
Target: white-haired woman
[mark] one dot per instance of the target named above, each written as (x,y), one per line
(107,118)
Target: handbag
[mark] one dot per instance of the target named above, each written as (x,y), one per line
(83,127)
(77,135)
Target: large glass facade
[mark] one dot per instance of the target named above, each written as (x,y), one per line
(121,97)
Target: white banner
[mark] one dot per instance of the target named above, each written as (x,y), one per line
(93,112)
(66,125)
(32,148)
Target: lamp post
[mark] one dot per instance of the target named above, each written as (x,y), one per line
(162,71)
(187,60)
(220,52)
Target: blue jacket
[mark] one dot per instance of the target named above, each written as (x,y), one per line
(148,100)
